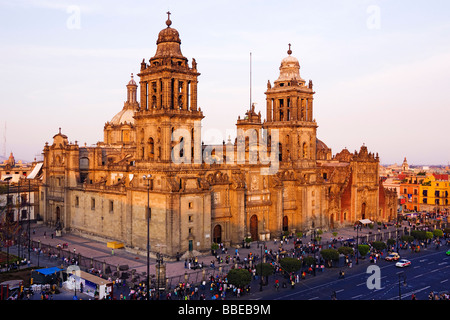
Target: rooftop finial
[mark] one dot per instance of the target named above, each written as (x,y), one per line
(168,22)
(289,51)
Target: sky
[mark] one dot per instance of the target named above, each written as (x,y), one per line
(381,69)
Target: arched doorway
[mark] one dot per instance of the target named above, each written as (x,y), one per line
(285,223)
(217,234)
(363,211)
(254,227)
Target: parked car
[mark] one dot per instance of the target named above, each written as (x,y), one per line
(403,263)
(394,256)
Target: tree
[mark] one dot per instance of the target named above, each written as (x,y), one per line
(329,255)
(290,264)
(419,234)
(264,270)
(307,261)
(239,277)
(363,249)
(346,250)
(390,242)
(214,247)
(379,245)
(438,233)
(407,238)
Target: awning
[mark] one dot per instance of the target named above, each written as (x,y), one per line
(365,221)
(35,171)
(48,271)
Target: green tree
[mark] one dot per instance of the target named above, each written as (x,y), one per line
(330,255)
(438,233)
(290,264)
(379,245)
(390,242)
(407,238)
(264,270)
(346,250)
(239,277)
(307,261)
(419,234)
(363,249)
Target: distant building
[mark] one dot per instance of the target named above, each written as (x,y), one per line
(14,170)
(19,193)
(425,193)
(434,193)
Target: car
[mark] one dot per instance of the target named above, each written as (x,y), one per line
(394,256)
(403,263)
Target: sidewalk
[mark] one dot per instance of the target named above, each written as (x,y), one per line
(99,250)
(174,269)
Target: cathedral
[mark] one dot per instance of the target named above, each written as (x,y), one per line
(275,178)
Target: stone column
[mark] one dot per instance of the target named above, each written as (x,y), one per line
(143,95)
(294,109)
(269,109)
(158,93)
(194,95)
(310,109)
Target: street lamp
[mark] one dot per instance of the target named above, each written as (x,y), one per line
(261,245)
(147,178)
(357,238)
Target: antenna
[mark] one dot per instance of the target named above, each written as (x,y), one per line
(250,80)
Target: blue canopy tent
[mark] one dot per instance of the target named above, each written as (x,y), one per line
(46,275)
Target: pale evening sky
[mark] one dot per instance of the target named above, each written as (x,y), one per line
(381,69)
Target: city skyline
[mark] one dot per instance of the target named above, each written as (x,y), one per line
(378,68)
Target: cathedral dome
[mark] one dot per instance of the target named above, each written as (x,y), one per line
(132,82)
(168,43)
(168,35)
(124,116)
(290,68)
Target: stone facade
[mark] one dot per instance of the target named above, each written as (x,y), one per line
(276,177)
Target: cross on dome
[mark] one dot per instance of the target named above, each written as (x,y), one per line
(289,51)
(168,22)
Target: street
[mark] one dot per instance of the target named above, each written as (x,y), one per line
(428,272)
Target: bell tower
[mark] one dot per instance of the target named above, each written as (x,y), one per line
(168,101)
(290,110)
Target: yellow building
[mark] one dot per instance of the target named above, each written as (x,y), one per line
(434,193)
